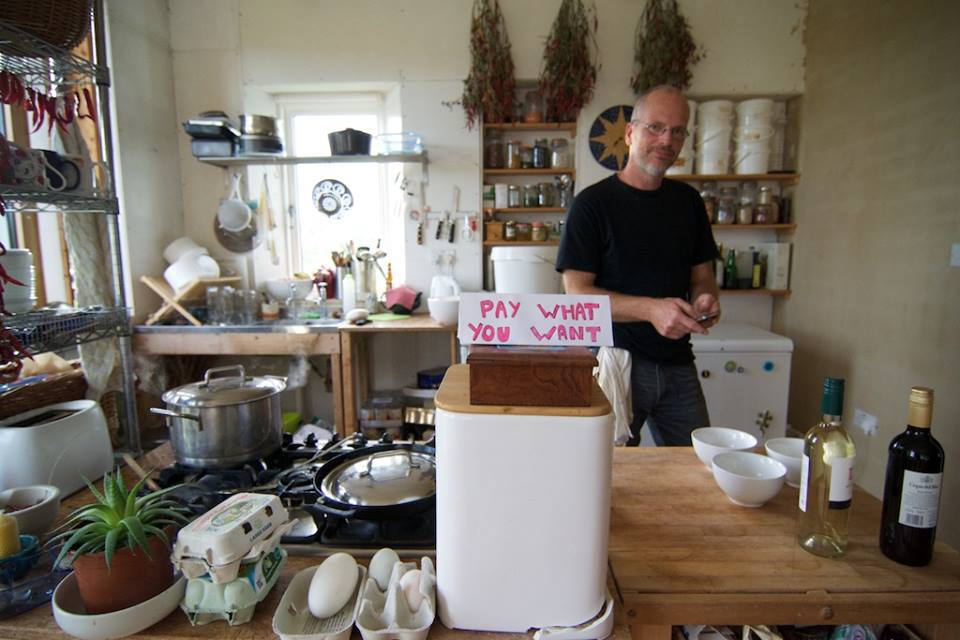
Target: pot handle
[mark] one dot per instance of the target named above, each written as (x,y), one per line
(175,414)
(208,374)
(382,454)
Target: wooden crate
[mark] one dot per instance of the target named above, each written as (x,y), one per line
(531,376)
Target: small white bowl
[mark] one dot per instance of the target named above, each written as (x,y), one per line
(748,479)
(709,441)
(279,288)
(789,452)
(176,249)
(43,509)
(69,613)
(444,310)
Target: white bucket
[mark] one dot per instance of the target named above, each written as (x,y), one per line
(754,122)
(683,164)
(714,137)
(713,109)
(753,134)
(751,159)
(710,162)
(525,270)
(762,107)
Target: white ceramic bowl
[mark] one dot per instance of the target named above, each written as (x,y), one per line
(43,509)
(748,479)
(69,613)
(444,310)
(789,452)
(709,441)
(176,249)
(279,288)
(190,266)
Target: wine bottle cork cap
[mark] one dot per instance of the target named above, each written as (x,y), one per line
(920,408)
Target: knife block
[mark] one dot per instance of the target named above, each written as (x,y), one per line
(531,376)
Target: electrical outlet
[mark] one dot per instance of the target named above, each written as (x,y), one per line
(865,421)
(955,255)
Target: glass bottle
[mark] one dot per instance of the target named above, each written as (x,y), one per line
(494,151)
(531,195)
(526,157)
(730,271)
(514,198)
(826,479)
(727,206)
(510,230)
(559,153)
(512,160)
(708,191)
(538,232)
(541,154)
(748,196)
(546,194)
(911,494)
(765,209)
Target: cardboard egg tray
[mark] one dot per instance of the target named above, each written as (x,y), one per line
(224,573)
(386,614)
(293,620)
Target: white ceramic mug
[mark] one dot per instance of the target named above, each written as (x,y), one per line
(31,169)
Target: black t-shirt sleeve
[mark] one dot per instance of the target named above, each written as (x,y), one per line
(580,244)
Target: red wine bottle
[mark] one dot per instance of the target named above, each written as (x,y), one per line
(911,494)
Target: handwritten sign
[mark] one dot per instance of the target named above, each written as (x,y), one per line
(535,319)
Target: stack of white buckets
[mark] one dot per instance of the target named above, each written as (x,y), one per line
(753,133)
(684,162)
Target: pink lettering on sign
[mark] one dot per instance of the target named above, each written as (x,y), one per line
(489,333)
(567,333)
(577,312)
(499,309)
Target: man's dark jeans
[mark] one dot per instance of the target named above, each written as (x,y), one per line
(670,399)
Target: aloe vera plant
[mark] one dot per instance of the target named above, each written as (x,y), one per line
(118,519)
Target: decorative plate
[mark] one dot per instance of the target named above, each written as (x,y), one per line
(332,197)
(607,133)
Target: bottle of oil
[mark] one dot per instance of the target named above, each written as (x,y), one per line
(826,479)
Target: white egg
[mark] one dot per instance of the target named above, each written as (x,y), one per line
(332,585)
(381,566)
(410,584)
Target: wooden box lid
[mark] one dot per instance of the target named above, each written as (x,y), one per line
(534,356)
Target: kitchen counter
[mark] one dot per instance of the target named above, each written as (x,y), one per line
(681,553)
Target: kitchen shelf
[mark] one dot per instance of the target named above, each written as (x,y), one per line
(520,243)
(526,210)
(531,172)
(531,126)
(41,65)
(775,293)
(247,161)
(786,228)
(41,331)
(30,200)
(788,178)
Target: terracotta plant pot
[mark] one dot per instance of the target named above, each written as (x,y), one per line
(132,578)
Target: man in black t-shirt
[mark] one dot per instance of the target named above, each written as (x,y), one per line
(646,242)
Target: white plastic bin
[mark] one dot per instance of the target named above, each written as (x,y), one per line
(525,270)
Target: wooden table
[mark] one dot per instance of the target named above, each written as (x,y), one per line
(681,553)
(355,357)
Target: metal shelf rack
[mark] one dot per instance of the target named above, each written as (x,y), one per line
(45,330)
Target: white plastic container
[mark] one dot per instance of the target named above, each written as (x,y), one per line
(752,157)
(715,109)
(525,269)
(712,162)
(757,107)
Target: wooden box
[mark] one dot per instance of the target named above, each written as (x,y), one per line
(531,376)
(493,230)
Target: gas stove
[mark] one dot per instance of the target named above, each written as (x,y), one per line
(289,474)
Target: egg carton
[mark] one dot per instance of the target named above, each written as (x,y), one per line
(205,601)
(193,567)
(293,620)
(387,614)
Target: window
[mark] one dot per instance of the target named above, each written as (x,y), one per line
(308,120)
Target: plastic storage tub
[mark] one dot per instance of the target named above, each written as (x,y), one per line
(525,270)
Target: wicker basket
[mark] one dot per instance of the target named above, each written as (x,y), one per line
(62,23)
(62,387)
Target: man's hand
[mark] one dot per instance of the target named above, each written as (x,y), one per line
(707,304)
(673,317)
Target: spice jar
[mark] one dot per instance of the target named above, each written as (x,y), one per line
(512,160)
(526,157)
(547,194)
(727,206)
(533,107)
(531,195)
(510,230)
(513,196)
(559,153)
(524,231)
(538,232)
(494,151)
(765,210)
(748,195)
(708,191)
(541,154)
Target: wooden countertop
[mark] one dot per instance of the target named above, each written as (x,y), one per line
(680,552)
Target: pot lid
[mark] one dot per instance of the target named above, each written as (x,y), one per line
(383,478)
(218,388)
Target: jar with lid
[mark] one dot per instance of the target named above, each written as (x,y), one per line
(531,195)
(547,194)
(510,230)
(727,206)
(708,191)
(541,154)
(765,210)
(494,151)
(559,153)
(748,196)
(526,157)
(524,231)
(533,107)
(513,196)
(512,160)
(538,232)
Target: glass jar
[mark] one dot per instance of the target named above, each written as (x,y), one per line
(526,157)
(708,191)
(493,151)
(533,107)
(727,206)
(765,210)
(556,230)
(510,230)
(531,195)
(541,154)
(524,231)
(748,197)
(559,153)
(512,160)
(538,232)
(547,194)
(513,196)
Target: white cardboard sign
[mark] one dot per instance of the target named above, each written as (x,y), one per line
(539,319)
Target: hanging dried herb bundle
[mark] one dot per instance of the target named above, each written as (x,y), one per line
(664,50)
(567,74)
(488,91)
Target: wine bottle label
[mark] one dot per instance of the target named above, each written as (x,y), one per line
(804,481)
(841,483)
(920,499)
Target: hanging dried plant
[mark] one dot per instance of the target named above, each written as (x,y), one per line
(664,50)
(488,91)
(567,74)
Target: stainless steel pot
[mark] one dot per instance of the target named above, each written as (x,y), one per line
(258,125)
(225,419)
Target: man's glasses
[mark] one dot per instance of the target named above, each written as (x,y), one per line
(657,129)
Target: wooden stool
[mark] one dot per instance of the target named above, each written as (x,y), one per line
(196,291)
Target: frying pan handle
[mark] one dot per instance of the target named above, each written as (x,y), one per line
(324,509)
(382,454)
